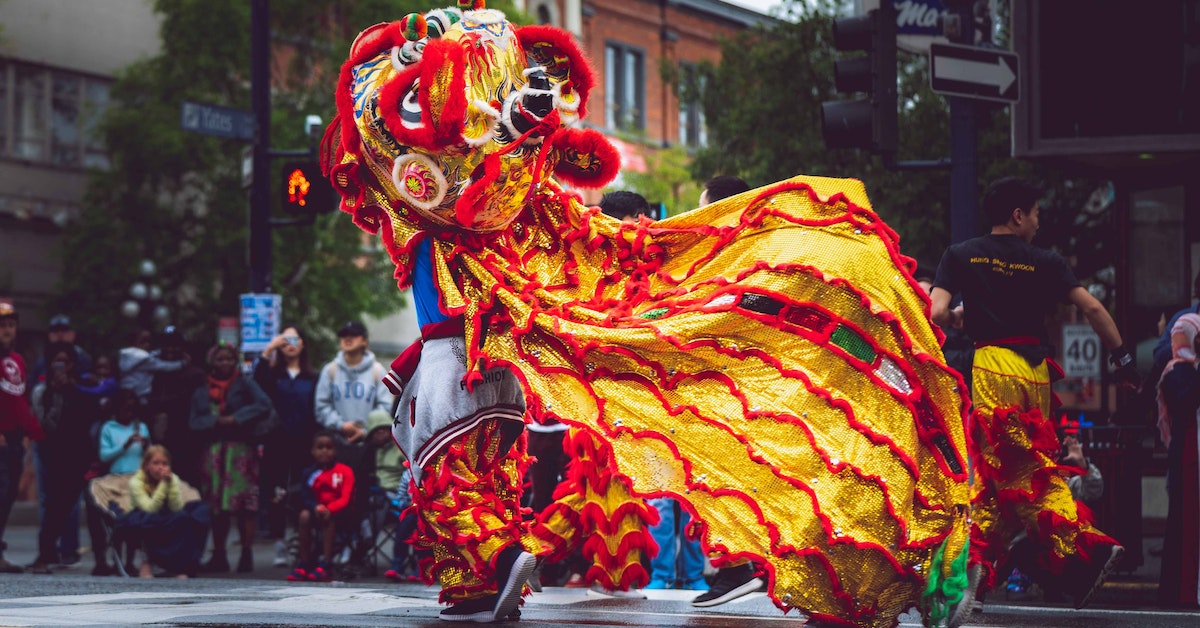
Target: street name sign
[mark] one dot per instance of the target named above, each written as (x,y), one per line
(981,73)
(216,120)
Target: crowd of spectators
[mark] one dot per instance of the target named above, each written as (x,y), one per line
(165,452)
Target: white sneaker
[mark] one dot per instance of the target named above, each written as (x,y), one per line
(632,594)
(281,554)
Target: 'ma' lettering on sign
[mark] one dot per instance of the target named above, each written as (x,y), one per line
(916,17)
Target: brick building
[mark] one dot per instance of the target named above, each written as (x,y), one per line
(54,79)
(629,42)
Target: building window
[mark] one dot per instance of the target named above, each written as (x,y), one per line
(693,131)
(543,14)
(50,116)
(29,113)
(624,88)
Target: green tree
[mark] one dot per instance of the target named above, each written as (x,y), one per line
(776,134)
(667,180)
(176,197)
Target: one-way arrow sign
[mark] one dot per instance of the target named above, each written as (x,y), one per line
(982,73)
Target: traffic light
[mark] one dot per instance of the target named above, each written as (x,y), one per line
(305,189)
(870,122)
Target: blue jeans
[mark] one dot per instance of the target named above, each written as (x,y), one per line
(667,534)
(68,541)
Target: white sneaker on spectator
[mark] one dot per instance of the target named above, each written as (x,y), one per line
(281,554)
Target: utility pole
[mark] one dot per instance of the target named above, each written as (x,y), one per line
(964,195)
(260,191)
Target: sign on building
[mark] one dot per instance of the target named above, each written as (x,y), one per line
(1081,351)
(260,320)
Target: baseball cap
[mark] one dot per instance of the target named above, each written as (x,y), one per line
(171,336)
(7,310)
(59,322)
(352,328)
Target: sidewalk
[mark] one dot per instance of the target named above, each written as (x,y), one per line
(22,531)
(1138,589)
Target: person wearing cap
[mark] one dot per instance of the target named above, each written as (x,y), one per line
(58,330)
(16,422)
(351,386)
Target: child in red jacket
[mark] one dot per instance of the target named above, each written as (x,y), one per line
(327,488)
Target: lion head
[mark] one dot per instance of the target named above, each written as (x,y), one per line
(451,117)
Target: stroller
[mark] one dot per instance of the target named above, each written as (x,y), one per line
(109,495)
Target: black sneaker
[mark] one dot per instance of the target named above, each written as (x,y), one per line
(246,562)
(513,567)
(216,564)
(104,569)
(1105,558)
(730,584)
(480,610)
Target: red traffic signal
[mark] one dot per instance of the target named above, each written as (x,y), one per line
(305,189)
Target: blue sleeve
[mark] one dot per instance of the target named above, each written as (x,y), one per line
(1162,350)
(307,496)
(110,449)
(426,299)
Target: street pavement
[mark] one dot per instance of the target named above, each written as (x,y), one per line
(71,597)
(68,600)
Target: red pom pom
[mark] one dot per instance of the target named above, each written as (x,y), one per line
(586,158)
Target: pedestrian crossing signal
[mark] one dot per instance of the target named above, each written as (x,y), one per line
(305,190)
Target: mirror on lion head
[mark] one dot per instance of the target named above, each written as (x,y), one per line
(452,117)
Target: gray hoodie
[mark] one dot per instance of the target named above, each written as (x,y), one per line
(349,393)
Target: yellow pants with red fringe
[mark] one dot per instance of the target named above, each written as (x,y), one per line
(468,505)
(1019,484)
(593,510)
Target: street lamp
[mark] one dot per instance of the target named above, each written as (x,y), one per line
(143,303)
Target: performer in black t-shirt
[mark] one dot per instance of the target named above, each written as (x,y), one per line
(1008,286)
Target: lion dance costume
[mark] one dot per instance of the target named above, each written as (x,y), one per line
(766,359)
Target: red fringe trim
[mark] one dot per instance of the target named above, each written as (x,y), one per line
(440,481)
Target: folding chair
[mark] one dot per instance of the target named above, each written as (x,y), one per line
(110,495)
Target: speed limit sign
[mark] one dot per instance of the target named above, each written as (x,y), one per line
(1081,351)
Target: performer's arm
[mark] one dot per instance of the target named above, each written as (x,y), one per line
(1098,317)
(940,310)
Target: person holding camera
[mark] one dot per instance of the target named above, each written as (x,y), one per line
(285,373)
(1088,485)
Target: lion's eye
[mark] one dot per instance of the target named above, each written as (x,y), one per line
(410,109)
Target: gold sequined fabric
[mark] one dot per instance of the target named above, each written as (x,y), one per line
(768,359)
(595,513)
(468,503)
(1019,484)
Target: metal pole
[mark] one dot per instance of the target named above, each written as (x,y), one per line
(260,191)
(964,203)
